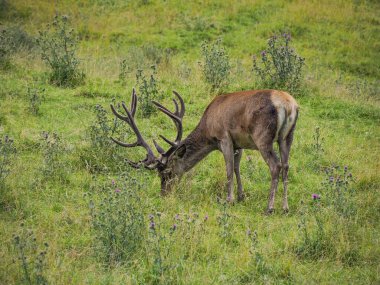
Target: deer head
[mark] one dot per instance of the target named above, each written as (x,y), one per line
(168,162)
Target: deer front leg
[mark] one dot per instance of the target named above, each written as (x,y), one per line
(237,157)
(226,147)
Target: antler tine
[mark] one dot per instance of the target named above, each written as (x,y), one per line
(168,141)
(117,114)
(133,103)
(182,112)
(159,149)
(176,108)
(176,117)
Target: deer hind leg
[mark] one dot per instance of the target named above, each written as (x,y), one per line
(285,145)
(237,157)
(274,164)
(226,146)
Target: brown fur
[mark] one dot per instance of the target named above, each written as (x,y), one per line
(236,121)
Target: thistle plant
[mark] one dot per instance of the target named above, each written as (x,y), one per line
(160,244)
(35,97)
(118,221)
(59,45)
(148,91)
(6,47)
(224,221)
(32,260)
(339,191)
(53,166)
(279,66)
(216,64)
(315,243)
(7,154)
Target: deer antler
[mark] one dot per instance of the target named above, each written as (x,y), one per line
(129,119)
(176,118)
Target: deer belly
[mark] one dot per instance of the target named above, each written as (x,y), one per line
(243,140)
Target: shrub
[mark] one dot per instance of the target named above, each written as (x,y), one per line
(59,45)
(32,261)
(118,221)
(216,64)
(7,153)
(280,66)
(148,91)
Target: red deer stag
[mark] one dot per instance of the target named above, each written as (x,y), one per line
(232,122)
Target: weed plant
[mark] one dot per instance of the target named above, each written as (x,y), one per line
(337,186)
(316,243)
(224,221)
(31,259)
(279,67)
(148,91)
(103,154)
(59,45)
(7,156)
(35,98)
(216,64)
(118,222)
(53,167)
(6,48)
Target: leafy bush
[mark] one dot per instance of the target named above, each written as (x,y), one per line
(32,261)
(216,64)
(59,45)
(148,91)
(118,221)
(280,66)
(7,153)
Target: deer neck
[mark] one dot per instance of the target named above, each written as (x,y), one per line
(197,147)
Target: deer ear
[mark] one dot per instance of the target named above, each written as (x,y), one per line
(180,152)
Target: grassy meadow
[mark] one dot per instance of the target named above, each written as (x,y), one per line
(72,211)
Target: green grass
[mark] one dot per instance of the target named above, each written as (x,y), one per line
(340,41)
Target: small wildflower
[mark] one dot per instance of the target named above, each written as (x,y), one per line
(113,182)
(315,196)
(176,217)
(151,217)
(331,179)
(345,168)
(206,218)
(174,227)
(117,190)
(249,232)
(152,225)
(263,53)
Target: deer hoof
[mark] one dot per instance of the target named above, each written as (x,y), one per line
(230,200)
(270,211)
(241,197)
(286,210)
